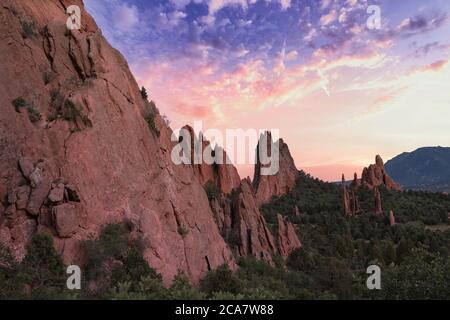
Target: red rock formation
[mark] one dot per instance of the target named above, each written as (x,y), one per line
(356,183)
(391,218)
(296,212)
(91,136)
(375,175)
(222,173)
(345,198)
(249,231)
(355,206)
(287,239)
(378,207)
(267,186)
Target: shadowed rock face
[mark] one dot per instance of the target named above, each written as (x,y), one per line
(79,154)
(242,224)
(267,186)
(375,175)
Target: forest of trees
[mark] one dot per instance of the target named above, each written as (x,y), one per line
(336,251)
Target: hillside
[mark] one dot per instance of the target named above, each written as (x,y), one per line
(424,169)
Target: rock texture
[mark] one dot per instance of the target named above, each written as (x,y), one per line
(83,127)
(287,239)
(375,175)
(268,186)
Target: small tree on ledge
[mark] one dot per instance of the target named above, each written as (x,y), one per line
(144,93)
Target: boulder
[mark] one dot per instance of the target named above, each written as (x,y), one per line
(66,219)
(23,193)
(26,166)
(57,193)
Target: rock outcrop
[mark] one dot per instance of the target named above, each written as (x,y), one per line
(242,224)
(356,183)
(268,186)
(377,199)
(287,239)
(391,218)
(345,198)
(375,175)
(222,172)
(248,232)
(77,152)
(350,200)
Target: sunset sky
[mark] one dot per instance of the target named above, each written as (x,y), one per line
(339,92)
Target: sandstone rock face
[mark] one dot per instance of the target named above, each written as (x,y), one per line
(222,173)
(267,186)
(375,175)
(90,134)
(287,239)
(242,224)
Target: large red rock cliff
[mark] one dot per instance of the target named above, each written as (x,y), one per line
(77,152)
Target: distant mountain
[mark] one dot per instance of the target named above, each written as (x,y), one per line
(424,169)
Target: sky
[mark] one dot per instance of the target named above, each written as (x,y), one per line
(339,88)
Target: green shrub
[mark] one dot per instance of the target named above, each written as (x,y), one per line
(181,289)
(221,280)
(144,93)
(19,103)
(33,114)
(28,29)
(212,190)
(42,269)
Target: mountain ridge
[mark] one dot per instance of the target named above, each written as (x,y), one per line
(426,168)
